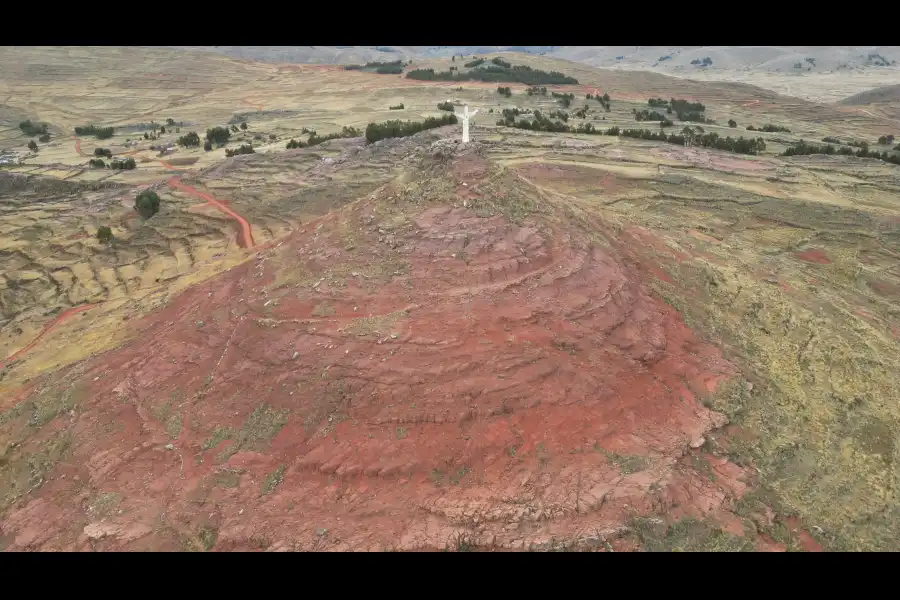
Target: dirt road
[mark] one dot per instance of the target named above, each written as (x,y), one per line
(245,240)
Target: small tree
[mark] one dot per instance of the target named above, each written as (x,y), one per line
(104,234)
(32,145)
(219,135)
(732,123)
(147,204)
(170,122)
(207,146)
(244,125)
(162,130)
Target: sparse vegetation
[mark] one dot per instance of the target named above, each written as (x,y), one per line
(32,145)
(474,63)
(243,149)
(831,140)
(504,91)
(886,140)
(44,138)
(394,129)
(732,123)
(207,145)
(97,163)
(448,106)
(702,62)
(147,204)
(564,99)
(658,102)
(537,91)
(244,126)
(103,152)
(397,107)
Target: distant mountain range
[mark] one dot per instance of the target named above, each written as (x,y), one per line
(676,60)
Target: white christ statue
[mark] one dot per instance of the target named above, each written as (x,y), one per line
(465,122)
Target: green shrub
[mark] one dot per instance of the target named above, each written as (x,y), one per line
(97,163)
(104,234)
(244,126)
(397,107)
(29,128)
(504,91)
(128,164)
(189,140)
(32,145)
(448,106)
(147,204)
(218,135)
(44,138)
(101,152)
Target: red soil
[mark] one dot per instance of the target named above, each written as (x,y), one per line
(245,240)
(499,405)
(47,328)
(884,288)
(813,255)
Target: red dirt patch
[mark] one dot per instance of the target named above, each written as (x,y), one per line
(533,391)
(813,255)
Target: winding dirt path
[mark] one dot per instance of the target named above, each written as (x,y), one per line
(47,328)
(245,240)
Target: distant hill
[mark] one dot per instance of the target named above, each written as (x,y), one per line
(666,59)
(889,93)
(345,55)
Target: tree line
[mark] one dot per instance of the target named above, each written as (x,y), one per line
(769,128)
(803,148)
(395,129)
(688,135)
(603,100)
(243,149)
(101,133)
(394,67)
(496,73)
(315,139)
